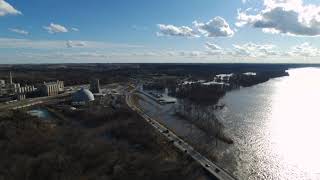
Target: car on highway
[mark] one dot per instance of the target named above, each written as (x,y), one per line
(166,131)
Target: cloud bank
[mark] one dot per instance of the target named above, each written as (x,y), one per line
(216,27)
(55,28)
(171,30)
(7,9)
(290,17)
(59,44)
(19,31)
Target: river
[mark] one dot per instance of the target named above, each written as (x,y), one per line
(276,127)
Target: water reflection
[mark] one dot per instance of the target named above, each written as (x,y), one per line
(294,121)
(40,113)
(276,127)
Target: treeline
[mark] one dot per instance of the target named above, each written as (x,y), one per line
(107,73)
(119,146)
(260,77)
(69,76)
(200,94)
(154,86)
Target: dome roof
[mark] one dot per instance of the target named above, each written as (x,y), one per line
(82,96)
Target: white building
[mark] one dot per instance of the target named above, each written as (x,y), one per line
(52,88)
(82,97)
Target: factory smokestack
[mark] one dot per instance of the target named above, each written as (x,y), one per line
(11,78)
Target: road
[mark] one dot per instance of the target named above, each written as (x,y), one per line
(211,167)
(31,102)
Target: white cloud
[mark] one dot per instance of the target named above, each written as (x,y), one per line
(304,50)
(213,49)
(244,18)
(212,46)
(72,44)
(248,52)
(75,44)
(19,31)
(171,30)
(170,54)
(59,44)
(55,28)
(254,50)
(291,17)
(6,9)
(75,29)
(245,1)
(216,27)
(193,54)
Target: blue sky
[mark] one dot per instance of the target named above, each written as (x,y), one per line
(55,31)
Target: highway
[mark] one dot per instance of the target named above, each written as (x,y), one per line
(211,167)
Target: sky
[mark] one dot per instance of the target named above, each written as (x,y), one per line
(166,31)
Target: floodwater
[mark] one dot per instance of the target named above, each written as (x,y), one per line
(276,127)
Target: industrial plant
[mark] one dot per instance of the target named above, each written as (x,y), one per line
(77,96)
(12,91)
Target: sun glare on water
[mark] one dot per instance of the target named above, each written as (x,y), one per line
(295,120)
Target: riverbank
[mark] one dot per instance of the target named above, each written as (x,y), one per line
(199,125)
(199,98)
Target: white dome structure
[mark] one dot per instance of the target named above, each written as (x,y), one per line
(82,97)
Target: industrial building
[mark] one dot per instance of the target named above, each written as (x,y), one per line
(95,86)
(14,90)
(52,88)
(2,83)
(82,97)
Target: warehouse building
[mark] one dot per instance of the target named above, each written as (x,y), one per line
(52,88)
